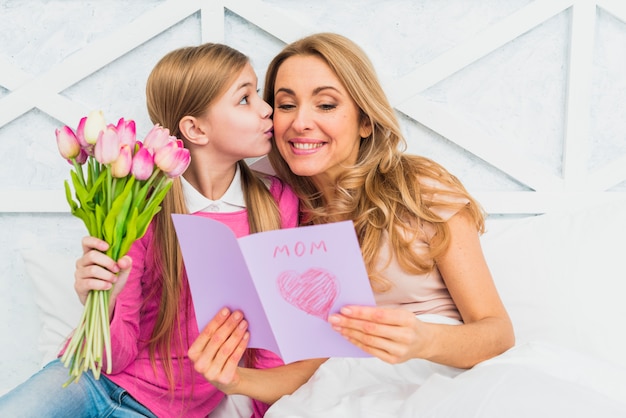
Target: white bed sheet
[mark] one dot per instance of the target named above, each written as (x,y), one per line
(535,379)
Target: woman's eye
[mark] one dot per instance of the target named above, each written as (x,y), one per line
(285,106)
(244,100)
(327,106)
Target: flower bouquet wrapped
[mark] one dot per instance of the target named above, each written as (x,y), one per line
(119,184)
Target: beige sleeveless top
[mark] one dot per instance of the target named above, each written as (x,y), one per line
(420,294)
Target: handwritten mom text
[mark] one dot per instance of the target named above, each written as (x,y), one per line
(299,249)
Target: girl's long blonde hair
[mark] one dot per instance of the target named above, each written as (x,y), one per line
(387,190)
(185,82)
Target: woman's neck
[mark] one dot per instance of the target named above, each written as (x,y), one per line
(326,185)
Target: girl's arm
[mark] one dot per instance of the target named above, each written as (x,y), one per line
(97,271)
(217,352)
(395,335)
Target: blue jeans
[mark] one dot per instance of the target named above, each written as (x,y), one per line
(43,395)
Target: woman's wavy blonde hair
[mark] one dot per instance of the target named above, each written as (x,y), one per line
(185,82)
(386,190)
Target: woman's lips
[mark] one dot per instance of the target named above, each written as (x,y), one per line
(305,147)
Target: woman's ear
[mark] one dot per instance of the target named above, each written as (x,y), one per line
(365,129)
(192,131)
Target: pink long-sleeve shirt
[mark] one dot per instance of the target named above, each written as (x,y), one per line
(135,315)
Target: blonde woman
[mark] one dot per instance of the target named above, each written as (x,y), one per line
(338,144)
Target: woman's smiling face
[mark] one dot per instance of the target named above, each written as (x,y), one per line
(317,124)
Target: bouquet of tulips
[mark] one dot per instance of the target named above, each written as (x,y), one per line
(119,184)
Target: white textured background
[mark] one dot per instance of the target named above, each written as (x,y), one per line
(523,100)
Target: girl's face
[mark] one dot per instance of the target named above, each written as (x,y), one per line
(317,127)
(238,123)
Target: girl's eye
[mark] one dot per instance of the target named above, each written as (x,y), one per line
(244,100)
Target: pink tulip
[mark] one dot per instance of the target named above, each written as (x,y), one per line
(86,147)
(68,144)
(183,159)
(80,133)
(107,146)
(157,137)
(82,157)
(93,126)
(122,165)
(173,159)
(126,131)
(143,164)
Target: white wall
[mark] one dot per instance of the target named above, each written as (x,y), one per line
(522,99)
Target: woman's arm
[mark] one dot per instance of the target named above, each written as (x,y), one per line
(217,352)
(395,335)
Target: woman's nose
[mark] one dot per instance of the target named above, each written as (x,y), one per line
(302,120)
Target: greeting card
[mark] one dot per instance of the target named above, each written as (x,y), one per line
(286,282)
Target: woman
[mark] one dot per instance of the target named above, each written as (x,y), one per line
(337,144)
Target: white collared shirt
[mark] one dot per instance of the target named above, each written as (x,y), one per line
(232,201)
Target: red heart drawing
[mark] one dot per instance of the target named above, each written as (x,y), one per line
(313,292)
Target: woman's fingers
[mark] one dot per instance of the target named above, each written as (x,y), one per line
(371,320)
(389,334)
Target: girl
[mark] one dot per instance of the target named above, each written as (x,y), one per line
(207,96)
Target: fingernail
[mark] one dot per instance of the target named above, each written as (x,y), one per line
(334,319)
(346,310)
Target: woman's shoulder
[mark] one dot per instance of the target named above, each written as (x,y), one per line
(441,192)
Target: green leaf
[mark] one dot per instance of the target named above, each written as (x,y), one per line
(140,196)
(143,221)
(131,232)
(96,187)
(115,221)
(152,209)
(119,186)
(81,193)
(99,222)
(68,196)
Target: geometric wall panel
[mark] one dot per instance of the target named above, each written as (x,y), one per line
(521,99)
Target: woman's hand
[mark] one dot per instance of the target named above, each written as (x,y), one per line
(219,348)
(393,335)
(97,271)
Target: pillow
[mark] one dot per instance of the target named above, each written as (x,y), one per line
(52,275)
(562,278)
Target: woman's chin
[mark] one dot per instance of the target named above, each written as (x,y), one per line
(304,170)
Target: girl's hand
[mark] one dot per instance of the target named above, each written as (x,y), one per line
(97,271)
(393,335)
(219,348)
